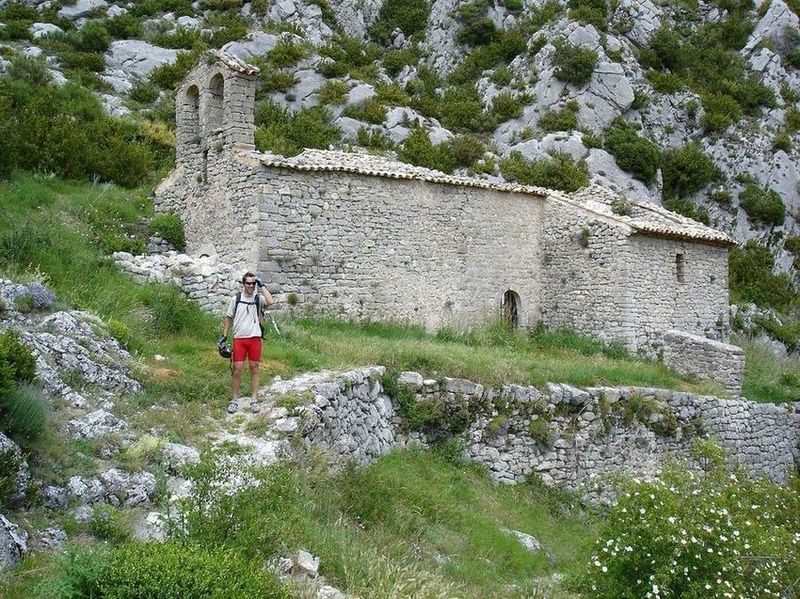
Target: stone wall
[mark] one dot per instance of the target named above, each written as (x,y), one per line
(603,280)
(585,274)
(369,247)
(205,280)
(676,285)
(705,359)
(570,437)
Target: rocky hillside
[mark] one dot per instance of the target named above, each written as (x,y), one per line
(691,103)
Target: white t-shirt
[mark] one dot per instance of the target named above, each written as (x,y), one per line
(245,320)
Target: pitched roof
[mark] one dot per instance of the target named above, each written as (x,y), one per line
(378,166)
(235,63)
(647,218)
(644,217)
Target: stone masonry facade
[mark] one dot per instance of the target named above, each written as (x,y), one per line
(363,237)
(570,437)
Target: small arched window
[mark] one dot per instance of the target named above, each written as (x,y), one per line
(216,102)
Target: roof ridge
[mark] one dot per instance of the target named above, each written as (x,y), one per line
(313,159)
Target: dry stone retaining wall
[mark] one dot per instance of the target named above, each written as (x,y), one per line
(582,435)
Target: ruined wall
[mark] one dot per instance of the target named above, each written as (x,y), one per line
(380,248)
(689,293)
(705,359)
(570,437)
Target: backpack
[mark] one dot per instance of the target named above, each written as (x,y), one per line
(259,309)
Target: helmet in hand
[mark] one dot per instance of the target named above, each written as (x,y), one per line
(224,349)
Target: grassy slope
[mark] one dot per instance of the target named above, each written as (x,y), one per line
(379,531)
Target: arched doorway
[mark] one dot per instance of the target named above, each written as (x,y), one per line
(509,309)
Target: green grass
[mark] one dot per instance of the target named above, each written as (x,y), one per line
(412,524)
(768,378)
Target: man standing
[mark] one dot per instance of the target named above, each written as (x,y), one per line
(246,315)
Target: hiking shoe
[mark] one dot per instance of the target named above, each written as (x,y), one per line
(233,407)
(255,407)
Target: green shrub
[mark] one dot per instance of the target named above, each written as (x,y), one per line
(720,111)
(501,76)
(94,37)
(763,206)
(168,76)
(17,364)
(565,119)
(476,28)
(333,92)
(506,46)
(687,208)
(370,110)
(633,154)
(392,94)
(558,171)
(76,573)
(540,431)
(174,570)
(411,16)
(170,312)
(435,416)
(170,228)
(506,106)
(589,11)
(621,206)
(144,92)
(707,535)
(10,463)
(275,81)
(287,54)
(792,244)
(462,110)
(113,230)
(573,63)
(124,27)
(23,413)
(752,278)
(782,141)
(395,60)
(792,120)
(687,170)
(419,150)
(665,83)
(109,524)
(466,149)
(373,139)
(287,134)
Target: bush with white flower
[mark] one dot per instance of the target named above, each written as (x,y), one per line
(704,535)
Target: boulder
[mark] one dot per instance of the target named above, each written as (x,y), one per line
(82,8)
(256,44)
(604,171)
(13,543)
(137,58)
(608,94)
(639,18)
(38,30)
(14,466)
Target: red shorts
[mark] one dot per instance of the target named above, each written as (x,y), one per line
(248,347)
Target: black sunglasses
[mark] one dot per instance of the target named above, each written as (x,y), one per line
(249,282)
